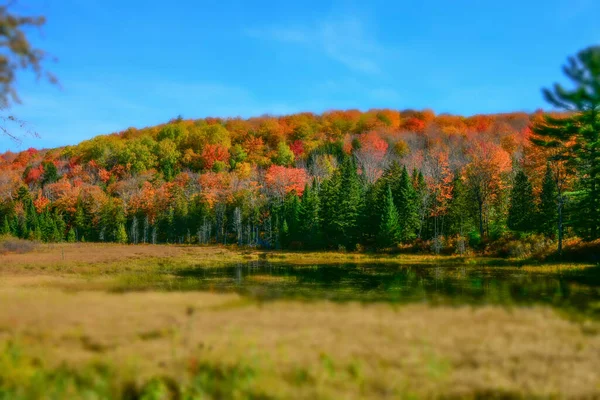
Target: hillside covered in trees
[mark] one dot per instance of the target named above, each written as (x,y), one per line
(343,179)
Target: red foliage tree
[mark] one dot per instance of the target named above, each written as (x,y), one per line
(414,125)
(213,153)
(297,148)
(371,155)
(282,180)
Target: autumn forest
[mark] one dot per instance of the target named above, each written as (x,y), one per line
(344,179)
(299,255)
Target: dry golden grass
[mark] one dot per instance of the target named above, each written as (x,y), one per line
(95,256)
(64,254)
(346,350)
(298,350)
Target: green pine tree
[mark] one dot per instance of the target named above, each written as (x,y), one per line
(581,127)
(80,220)
(292,219)
(375,198)
(521,212)
(6,226)
(61,226)
(459,209)
(389,228)
(407,203)
(57,235)
(343,205)
(37,233)
(71,238)
(310,223)
(50,173)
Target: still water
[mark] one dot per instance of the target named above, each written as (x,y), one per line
(577,291)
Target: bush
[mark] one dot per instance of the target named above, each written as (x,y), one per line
(9,244)
(474,239)
(458,245)
(521,246)
(437,244)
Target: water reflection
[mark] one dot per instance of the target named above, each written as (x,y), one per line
(576,290)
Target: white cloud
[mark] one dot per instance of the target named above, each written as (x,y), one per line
(345,40)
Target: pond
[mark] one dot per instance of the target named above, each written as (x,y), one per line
(576,290)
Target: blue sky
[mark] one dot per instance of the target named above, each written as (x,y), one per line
(138,63)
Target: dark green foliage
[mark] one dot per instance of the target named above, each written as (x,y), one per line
(575,139)
(291,222)
(342,206)
(6,226)
(408,202)
(547,215)
(310,223)
(50,173)
(521,213)
(389,228)
(460,209)
(112,217)
(71,236)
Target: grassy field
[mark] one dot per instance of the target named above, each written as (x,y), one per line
(63,335)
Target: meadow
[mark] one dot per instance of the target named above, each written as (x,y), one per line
(153,322)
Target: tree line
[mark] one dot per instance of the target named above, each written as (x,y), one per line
(343,179)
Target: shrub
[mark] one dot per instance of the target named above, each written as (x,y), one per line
(9,244)
(457,245)
(437,244)
(474,239)
(521,246)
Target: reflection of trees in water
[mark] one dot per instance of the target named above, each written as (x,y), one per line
(397,283)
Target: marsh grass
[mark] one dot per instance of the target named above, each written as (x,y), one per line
(171,346)
(227,346)
(128,322)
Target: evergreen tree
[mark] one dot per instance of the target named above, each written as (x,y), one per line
(80,220)
(31,218)
(575,139)
(292,219)
(50,173)
(180,221)
(56,234)
(37,233)
(389,228)
(15,226)
(521,213)
(310,224)
(376,199)
(166,226)
(44,221)
(61,226)
(6,226)
(459,209)
(407,203)
(343,204)
(71,238)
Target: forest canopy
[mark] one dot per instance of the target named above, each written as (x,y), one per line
(333,180)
